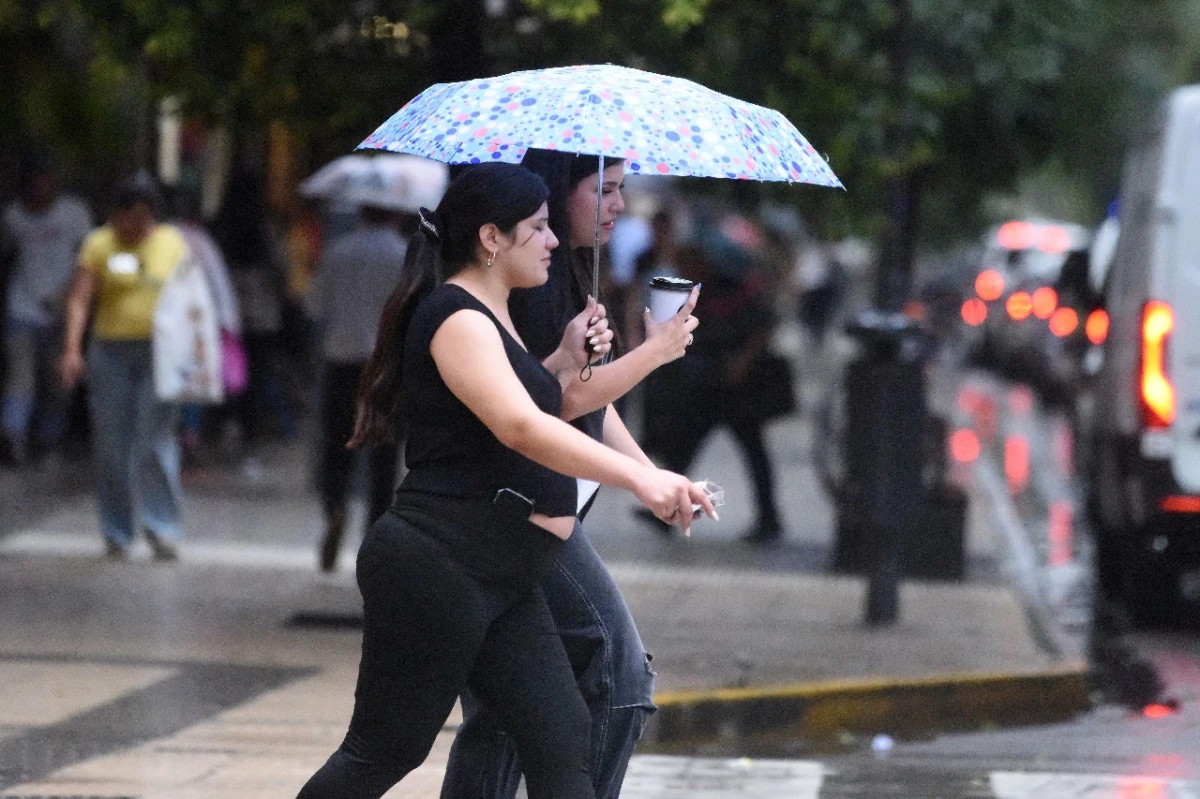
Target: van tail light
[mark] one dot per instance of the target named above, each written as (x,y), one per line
(1158,395)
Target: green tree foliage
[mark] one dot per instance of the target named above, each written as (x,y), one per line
(989,89)
(88,73)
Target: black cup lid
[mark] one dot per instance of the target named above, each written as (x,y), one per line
(671,284)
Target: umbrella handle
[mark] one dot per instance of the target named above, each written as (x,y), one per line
(585,373)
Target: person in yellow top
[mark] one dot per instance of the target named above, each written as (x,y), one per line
(122,266)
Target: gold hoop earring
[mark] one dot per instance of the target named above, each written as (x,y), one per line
(491,259)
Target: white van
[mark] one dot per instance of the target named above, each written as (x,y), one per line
(1143,470)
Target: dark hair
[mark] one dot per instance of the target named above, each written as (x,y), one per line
(562,172)
(139,189)
(493,193)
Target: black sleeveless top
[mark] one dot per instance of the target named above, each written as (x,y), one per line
(448,451)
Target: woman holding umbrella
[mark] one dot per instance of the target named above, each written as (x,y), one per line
(449,575)
(598,631)
(661,125)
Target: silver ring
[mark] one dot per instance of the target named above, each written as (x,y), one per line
(690,339)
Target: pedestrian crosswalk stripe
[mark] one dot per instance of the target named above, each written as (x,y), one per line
(1024,785)
(679,777)
(43,543)
(671,777)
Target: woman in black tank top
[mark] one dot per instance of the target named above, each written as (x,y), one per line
(449,575)
(561,324)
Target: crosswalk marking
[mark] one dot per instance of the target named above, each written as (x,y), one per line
(1022,785)
(677,777)
(671,777)
(200,552)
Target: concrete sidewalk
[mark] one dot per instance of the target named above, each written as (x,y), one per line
(758,650)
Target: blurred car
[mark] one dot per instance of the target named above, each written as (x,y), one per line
(1142,478)
(1029,299)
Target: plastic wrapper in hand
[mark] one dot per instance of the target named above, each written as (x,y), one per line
(715,494)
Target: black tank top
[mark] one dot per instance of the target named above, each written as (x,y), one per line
(448,451)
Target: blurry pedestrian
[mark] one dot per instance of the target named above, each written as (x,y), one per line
(727,379)
(449,576)
(257,264)
(122,267)
(207,254)
(357,273)
(821,280)
(43,228)
(606,652)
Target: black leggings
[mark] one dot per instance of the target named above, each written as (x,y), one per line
(449,604)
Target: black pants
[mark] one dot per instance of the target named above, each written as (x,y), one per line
(679,440)
(450,603)
(338,406)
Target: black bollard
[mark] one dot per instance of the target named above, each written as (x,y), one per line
(885,396)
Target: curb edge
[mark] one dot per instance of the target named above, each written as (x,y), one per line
(822,713)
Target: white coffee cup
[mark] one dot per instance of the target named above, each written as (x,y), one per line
(667,296)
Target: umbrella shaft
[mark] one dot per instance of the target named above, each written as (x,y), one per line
(596,241)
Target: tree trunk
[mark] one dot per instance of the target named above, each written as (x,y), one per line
(894,270)
(457,42)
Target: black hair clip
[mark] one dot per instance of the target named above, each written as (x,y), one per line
(429,224)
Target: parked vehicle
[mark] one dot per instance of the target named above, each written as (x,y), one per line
(1030,295)
(1143,427)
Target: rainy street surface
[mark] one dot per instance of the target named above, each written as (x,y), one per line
(196,680)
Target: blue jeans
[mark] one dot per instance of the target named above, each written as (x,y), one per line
(32,391)
(136,448)
(611,668)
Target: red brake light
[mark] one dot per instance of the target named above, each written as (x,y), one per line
(1063,322)
(989,285)
(1158,395)
(1097,326)
(974,312)
(1015,235)
(1045,300)
(1055,240)
(1019,305)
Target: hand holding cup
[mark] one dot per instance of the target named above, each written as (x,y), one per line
(671,334)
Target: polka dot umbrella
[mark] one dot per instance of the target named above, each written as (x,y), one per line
(660,125)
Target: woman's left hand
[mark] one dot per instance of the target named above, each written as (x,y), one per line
(587,336)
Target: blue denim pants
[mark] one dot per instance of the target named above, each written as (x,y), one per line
(136,443)
(32,390)
(611,668)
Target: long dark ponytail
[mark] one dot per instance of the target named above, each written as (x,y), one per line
(494,193)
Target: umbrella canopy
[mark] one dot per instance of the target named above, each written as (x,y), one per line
(658,124)
(397,182)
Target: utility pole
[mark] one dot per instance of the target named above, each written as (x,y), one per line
(893,277)
(457,42)
(884,385)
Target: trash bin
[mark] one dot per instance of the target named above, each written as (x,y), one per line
(896,514)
